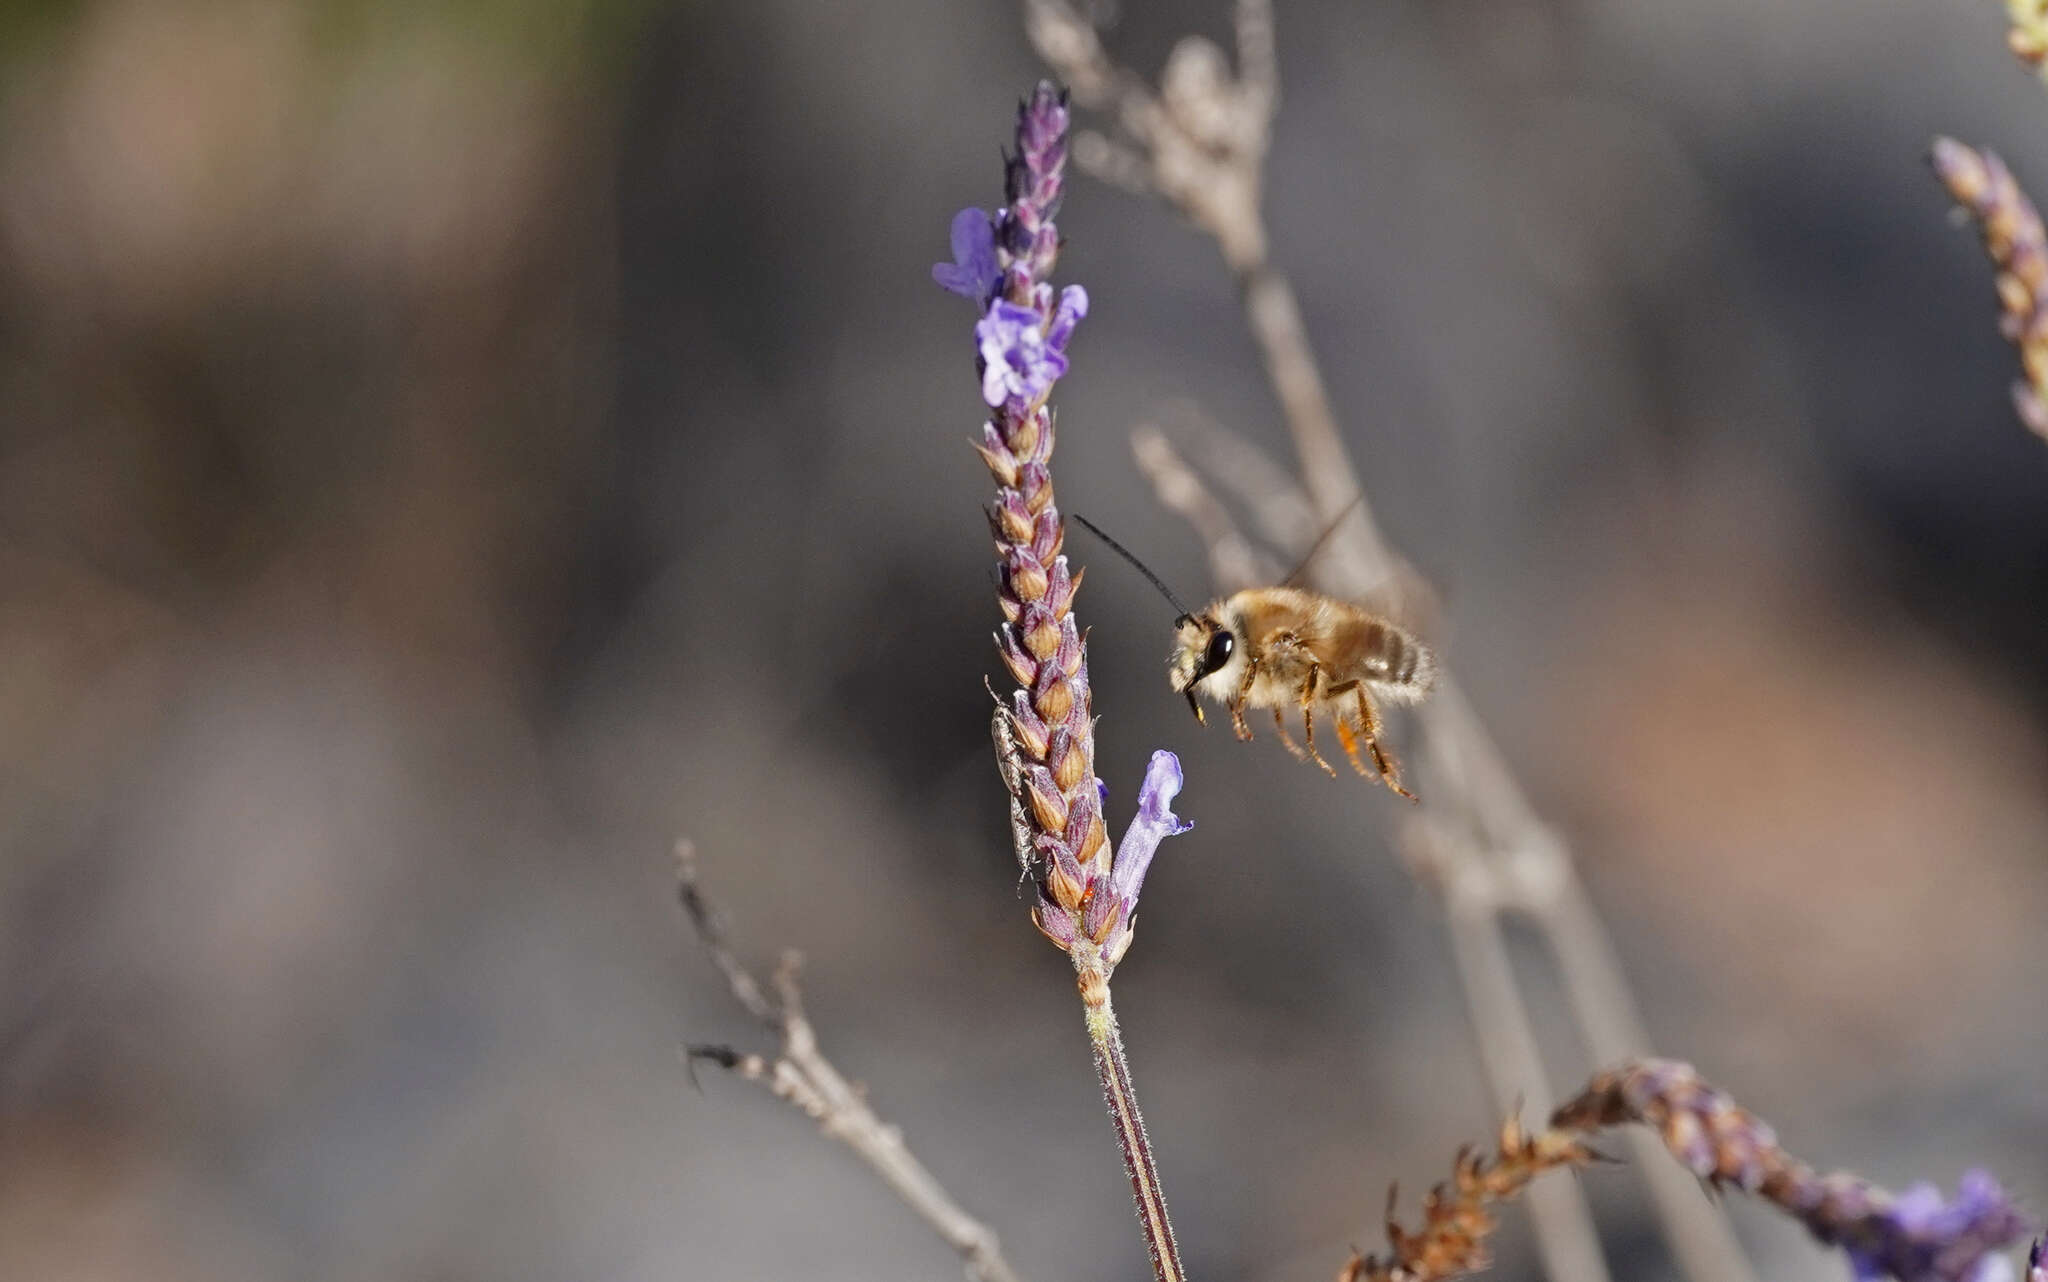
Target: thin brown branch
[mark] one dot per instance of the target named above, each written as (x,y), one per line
(1233,562)
(798,1074)
(1567,1239)
(1205,138)
(711,928)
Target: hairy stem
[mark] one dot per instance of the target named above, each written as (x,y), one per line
(1122,1101)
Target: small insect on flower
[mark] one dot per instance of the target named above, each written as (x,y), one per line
(1285,646)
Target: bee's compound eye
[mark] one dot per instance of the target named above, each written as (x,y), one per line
(1219,650)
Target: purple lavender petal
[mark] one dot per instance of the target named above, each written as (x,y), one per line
(1073,306)
(973,273)
(1921,1237)
(1016,363)
(1919,1209)
(1155,822)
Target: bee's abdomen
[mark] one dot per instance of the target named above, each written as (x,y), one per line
(1382,654)
(1404,658)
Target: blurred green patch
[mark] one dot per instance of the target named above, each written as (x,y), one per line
(25,25)
(571,39)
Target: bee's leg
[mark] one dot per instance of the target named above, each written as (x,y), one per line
(1346,737)
(1369,727)
(1280,728)
(1238,701)
(1308,718)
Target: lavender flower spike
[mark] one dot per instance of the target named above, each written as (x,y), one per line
(1044,731)
(1046,728)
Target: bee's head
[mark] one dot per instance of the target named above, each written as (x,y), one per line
(1202,648)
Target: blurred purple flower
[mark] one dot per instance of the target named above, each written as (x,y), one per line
(1155,822)
(974,272)
(1922,1238)
(1017,363)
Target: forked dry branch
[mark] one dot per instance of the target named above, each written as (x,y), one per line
(797,1073)
(1199,142)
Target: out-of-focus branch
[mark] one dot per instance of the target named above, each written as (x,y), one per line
(798,1074)
(1204,137)
(1233,562)
(1471,892)
(1568,1240)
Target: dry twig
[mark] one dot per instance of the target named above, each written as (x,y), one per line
(1199,142)
(1455,1219)
(798,1073)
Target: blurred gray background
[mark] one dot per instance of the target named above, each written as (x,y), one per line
(449,450)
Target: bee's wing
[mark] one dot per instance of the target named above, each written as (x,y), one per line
(1410,602)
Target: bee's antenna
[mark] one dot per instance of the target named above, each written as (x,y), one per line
(1125,553)
(1308,558)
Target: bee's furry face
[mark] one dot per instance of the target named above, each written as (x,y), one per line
(1190,642)
(1204,648)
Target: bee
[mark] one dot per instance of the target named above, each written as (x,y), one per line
(1285,646)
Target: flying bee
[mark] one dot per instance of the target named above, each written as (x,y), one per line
(1284,647)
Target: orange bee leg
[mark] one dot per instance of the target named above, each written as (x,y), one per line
(1308,719)
(1350,742)
(1280,728)
(1369,726)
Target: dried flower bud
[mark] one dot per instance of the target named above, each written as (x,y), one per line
(1054,698)
(1027,580)
(1064,883)
(1044,795)
(1023,668)
(1054,922)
